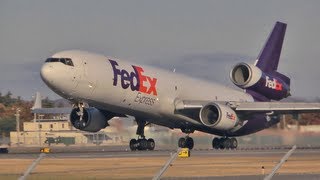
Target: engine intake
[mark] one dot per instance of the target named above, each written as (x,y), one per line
(218,116)
(245,75)
(91,119)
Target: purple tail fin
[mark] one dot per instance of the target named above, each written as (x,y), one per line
(268,58)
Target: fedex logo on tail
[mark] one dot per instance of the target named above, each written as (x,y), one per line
(136,80)
(273,84)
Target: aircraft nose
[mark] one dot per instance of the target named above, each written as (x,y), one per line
(46,73)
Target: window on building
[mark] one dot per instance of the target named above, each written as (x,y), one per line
(40,126)
(51,126)
(62,125)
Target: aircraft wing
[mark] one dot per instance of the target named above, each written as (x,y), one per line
(256,107)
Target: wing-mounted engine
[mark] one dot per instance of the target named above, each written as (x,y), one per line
(89,119)
(218,116)
(272,85)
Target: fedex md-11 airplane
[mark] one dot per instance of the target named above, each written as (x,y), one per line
(103,87)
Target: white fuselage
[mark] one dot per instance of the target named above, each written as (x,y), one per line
(92,80)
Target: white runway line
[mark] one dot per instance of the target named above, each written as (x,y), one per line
(165,167)
(32,166)
(283,160)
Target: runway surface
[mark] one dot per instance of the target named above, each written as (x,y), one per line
(117,163)
(123,151)
(161,153)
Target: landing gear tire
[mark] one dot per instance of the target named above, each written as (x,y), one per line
(151,144)
(133,144)
(186,142)
(227,143)
(182,142)
(216,143)
(143,144)
(189,143)
(224,143)
(234,143)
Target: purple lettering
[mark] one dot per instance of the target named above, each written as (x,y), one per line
(136,80)
(125,79)
(116,71)
(134,75)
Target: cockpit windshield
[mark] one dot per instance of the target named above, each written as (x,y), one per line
(66,61)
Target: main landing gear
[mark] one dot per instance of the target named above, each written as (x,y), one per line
(141,143)
(186,142)
(224,143)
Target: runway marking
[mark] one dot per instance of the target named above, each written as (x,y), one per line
(283,160)
(165,167)
(32,166)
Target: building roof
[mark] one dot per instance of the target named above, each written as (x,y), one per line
(52,110)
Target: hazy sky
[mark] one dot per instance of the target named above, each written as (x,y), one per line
(199,38)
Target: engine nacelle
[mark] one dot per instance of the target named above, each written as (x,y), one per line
(91,120)
(218,116)
(272,85)
(245,75)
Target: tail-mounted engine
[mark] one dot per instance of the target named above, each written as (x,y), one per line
(218,116)
(89,119)
(272,85)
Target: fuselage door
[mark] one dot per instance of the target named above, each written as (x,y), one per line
(74,75)
(89,80)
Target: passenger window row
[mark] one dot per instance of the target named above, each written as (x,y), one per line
(66,61)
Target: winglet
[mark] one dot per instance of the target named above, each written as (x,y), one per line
(269,56)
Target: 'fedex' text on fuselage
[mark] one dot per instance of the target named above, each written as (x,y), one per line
(135,79)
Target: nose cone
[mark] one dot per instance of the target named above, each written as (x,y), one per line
(46,73)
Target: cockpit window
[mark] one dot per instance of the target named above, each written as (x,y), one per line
(63,60)
(66,61)
(69,62)
(52,60)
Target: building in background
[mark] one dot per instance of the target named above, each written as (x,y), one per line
(51,126)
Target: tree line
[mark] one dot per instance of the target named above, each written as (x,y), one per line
(8,108)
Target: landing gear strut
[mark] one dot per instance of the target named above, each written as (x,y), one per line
(224,143)
(141,143)
(79,115)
